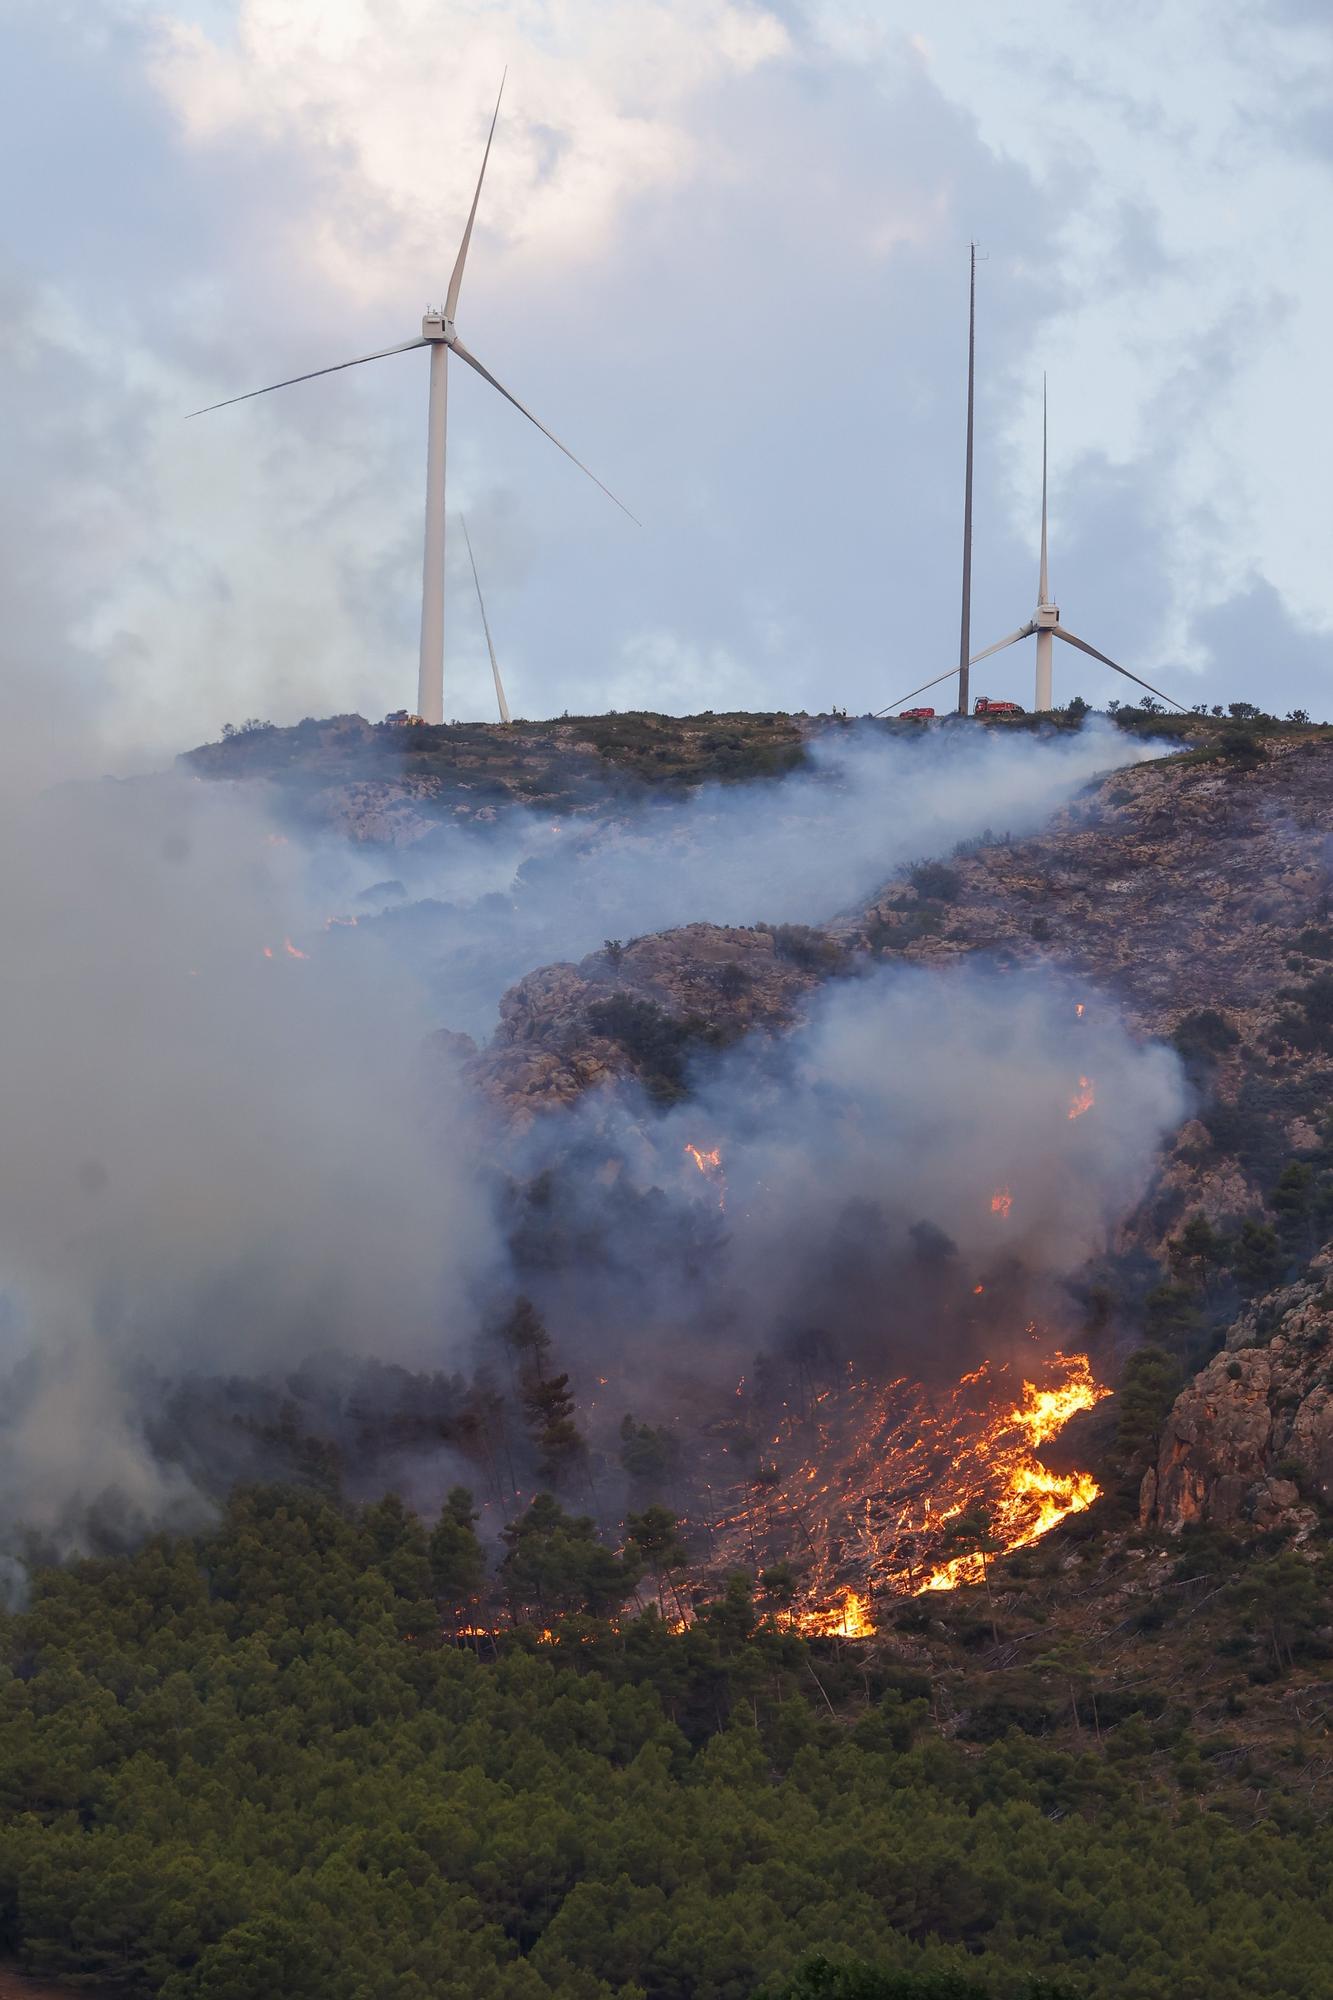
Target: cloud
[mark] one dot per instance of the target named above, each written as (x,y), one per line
(722,252)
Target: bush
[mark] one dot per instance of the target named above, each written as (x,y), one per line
(804,946)
(936,882)
(657,1043)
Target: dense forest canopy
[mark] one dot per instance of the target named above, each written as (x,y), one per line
(251,1764)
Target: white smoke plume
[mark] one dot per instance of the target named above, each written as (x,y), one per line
(230,1147)
(539,889)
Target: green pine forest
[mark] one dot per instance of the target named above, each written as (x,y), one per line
(259,1763)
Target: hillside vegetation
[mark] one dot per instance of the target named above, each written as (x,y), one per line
(252,1765)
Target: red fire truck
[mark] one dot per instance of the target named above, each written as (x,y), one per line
(915,714)
(983,705)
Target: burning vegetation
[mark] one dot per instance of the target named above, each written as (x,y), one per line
(888,1490)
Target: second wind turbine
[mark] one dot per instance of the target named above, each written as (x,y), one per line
(440,335)
(1045,622)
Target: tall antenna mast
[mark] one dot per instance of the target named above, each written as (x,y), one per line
(1043,582)
(965,632)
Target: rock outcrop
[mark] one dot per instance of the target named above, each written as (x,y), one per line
(1251,1438)
(721,981)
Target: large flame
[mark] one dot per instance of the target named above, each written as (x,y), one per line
(860,1489)
(1083,1099)
(1027,1500)
(1001,1202)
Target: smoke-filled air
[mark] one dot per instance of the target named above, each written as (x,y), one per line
(237,1148)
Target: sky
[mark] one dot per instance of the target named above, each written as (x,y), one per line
(722,252)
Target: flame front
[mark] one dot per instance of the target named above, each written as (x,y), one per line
(1083,1099)
(1001,1202)
(1027,1500)
(872,1477)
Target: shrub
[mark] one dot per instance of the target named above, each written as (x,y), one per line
(936,882)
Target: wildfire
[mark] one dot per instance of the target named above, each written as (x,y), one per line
(1001,1202)
(1029,1501)
(710,1166)
(292,951)
(1083,1099)
(849,1620)
(874,1475)
(1078,1010)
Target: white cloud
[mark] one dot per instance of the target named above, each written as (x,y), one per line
(396,96)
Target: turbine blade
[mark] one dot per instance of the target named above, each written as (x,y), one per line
(486,376)
(486,626)
(456,281)
(1106,661)
(924,689)
(249,395)
(1023,632)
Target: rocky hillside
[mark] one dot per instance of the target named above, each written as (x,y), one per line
(1195,893)
(643,1010)
(1250,1440)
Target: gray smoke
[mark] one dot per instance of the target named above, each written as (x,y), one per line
(910,1143)
(536,889)
(230,1145)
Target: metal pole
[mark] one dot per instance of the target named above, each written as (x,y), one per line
(430,677)
(1045,641)
(965,634)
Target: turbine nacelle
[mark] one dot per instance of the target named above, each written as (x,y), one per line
(1046,617)
(436,325)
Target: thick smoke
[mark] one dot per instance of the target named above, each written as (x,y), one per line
(914,1174)
(232,1145)
(216,1158)
(488,907)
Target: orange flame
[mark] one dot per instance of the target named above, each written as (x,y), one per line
(1030,1500)
(1001,1202)
(710,1166)
(849,1620)
(267,950)
(292,951)
(1083,1099)
(1078,1009)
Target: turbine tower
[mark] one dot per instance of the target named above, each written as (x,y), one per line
(439,333)
(965,631)
(1045,622)
(486,626)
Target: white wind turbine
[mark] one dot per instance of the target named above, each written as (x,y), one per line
(438,332)
(486,626)
(1045,622)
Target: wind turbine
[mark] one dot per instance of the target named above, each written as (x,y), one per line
(486,626)
(440,335)
(1045,623)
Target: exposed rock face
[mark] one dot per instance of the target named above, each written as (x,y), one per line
(1176,885)
(1251,1438)
(546,1052)
(1170,886)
